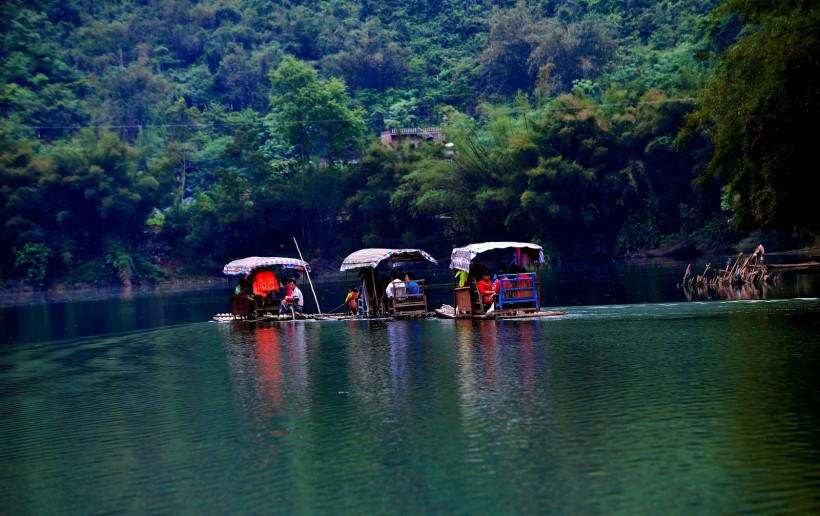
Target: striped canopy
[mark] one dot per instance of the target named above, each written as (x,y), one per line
(373,257)
(523,253)
(246,265)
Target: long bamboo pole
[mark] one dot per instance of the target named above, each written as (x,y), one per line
(308,277)
(377,308)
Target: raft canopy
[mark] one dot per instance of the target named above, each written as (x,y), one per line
(246,265)
(373,257)
(522,253)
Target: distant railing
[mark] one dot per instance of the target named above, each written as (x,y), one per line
(432,132)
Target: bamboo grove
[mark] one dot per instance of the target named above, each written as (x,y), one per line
(146,140)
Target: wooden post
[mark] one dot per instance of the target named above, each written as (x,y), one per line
(308,276)
(374,310)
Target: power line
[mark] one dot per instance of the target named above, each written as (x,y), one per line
(686,100)
(323,121)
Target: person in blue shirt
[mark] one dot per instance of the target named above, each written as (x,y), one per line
(413,289)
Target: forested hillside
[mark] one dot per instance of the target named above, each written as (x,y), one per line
(142,139)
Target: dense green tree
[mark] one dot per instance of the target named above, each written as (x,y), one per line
(242,79)
(505,59)
(297,27)
(756,109)
(576,184)
(134,96)
(83,198)
(525,47)
(661,198)
(33,260)
(319,125)
(376,212)
(236,129)
(39,88)
(246,211)
(370,57)
(312,116)
(19,168)
(476,189)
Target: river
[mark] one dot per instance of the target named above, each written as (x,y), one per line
(644,398)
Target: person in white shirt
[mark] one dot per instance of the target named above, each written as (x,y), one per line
(391,287)
(295,300)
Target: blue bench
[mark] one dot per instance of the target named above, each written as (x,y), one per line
(517,291)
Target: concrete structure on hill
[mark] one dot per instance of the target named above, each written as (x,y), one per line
(392,137)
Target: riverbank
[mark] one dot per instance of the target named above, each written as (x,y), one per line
(17,293)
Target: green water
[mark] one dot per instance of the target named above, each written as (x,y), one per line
(140,405)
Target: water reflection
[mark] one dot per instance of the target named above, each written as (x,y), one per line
(268,366)
(268,347)
(501,362)
(631,409)
(398,340)
(745,291)
(528,335)
(385,360)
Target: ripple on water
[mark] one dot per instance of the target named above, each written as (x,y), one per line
(634,408)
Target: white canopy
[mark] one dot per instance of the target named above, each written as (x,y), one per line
(524,253)
(374,256)
(246,265)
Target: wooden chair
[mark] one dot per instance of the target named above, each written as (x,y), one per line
(479,306)
(409,300)
(270,303)
(242,306)
(465,299)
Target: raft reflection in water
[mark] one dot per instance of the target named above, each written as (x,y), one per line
(501,358)
(270,377)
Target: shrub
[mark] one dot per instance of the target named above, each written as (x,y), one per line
(32,259)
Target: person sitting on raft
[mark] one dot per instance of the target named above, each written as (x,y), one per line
(294,300)
(413,289)
(242,287)
(390,289)
(485,288)
(498,283)
(524,280)
(352,300)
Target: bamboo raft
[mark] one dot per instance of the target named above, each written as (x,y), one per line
(272,317)
(449,312)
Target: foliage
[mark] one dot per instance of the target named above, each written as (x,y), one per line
(76,196)
(192,133)
(369,57)
(313,117)
(375,207)
(525,48)
(120,260)
(756,109)
(33,259)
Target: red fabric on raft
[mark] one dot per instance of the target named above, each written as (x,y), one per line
(264,282)
(524,281)
(497,287)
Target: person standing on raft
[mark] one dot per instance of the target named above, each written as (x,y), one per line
(352,300)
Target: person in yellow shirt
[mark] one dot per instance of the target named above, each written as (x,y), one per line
(352,300)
